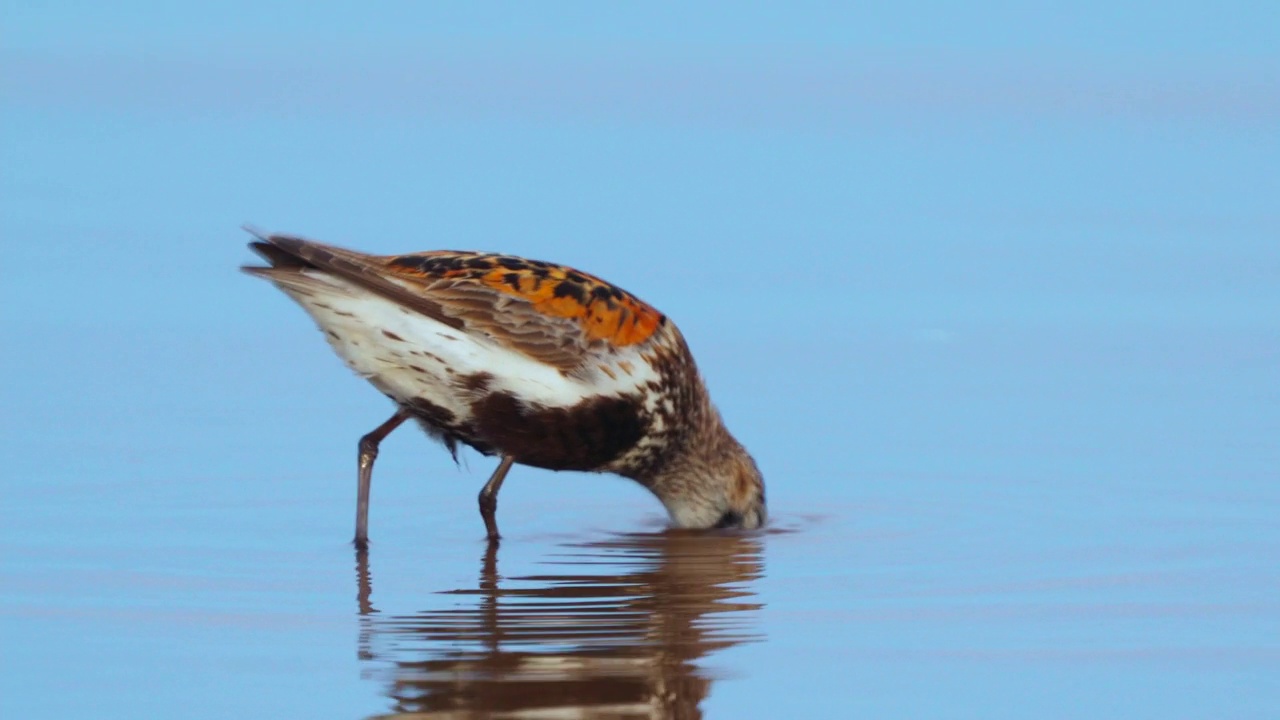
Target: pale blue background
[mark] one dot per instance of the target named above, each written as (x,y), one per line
(989,290)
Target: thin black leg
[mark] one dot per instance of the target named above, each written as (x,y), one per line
(369,453)
(489,497)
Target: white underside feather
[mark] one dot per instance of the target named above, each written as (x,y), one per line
(354,320)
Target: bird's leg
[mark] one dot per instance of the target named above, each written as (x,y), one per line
(489,497)
(368,453)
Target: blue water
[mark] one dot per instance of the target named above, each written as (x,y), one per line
(999,320)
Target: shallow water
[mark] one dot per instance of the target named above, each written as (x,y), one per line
(1090,534)
(1000,327)
(621,626)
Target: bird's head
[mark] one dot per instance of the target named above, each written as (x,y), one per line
(720,489)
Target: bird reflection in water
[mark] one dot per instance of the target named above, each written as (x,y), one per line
(618,630)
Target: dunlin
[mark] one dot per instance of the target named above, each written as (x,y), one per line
(536,363)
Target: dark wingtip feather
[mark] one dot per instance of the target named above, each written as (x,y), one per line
(287,252)
(282,251)
(257,270)
(278,257)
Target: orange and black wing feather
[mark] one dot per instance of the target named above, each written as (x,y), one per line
(603,311)
(551,313)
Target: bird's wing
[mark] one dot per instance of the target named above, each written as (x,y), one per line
(554,314)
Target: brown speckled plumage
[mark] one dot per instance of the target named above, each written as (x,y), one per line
(541,364)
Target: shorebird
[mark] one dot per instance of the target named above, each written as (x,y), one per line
(534,362)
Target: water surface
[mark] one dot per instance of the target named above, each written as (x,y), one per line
(991,296)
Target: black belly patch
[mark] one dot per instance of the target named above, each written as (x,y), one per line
(586,436)
(443,425)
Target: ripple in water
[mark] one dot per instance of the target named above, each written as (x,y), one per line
(620,628)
